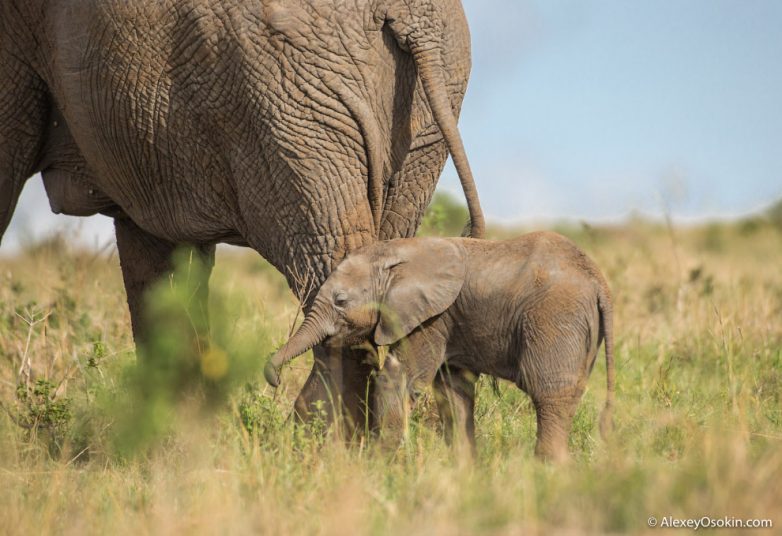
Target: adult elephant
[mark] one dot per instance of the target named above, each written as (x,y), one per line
(301,128)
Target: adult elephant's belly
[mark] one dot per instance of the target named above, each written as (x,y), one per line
(185,205)
(168,177)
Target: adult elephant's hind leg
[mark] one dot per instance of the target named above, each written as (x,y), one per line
(145,260)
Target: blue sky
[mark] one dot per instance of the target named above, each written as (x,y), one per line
(593,109)
(588,109)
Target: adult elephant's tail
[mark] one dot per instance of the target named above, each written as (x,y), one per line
(418,27)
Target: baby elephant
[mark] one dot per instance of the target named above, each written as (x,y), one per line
(532,310)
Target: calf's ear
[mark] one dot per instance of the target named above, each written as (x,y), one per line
(425,275)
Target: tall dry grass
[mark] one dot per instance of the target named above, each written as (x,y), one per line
(698,420)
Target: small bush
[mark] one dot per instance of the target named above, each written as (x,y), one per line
(43,413)
(445,216)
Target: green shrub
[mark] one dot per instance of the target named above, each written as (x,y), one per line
(445,216)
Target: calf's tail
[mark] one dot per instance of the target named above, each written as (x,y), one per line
(605,308)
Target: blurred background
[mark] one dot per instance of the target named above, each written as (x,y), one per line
(597,111)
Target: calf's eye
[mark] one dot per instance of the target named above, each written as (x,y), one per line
(340,299)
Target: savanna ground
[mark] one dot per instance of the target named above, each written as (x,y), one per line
(88,443)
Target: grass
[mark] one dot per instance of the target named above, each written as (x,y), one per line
(91,444)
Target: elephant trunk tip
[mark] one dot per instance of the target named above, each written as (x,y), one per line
(272,374)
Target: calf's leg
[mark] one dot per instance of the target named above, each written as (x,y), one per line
(555,414)
(454,391)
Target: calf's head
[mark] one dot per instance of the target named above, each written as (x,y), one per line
(380,294)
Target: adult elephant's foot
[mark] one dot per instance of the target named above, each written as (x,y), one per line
(337,392)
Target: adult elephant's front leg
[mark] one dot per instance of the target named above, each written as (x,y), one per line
(145,260)
(24,110)
(340,385)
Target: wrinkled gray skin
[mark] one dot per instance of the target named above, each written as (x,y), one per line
(302,128)
(533,310)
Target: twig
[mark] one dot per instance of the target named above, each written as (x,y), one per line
(15,419)
(757,434)
(26,367)
(85,449)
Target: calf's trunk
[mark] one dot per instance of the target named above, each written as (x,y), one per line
(312,331)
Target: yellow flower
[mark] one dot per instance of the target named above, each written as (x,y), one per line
(214,363)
